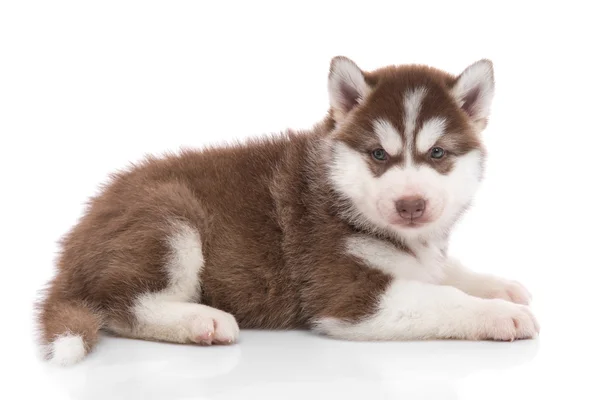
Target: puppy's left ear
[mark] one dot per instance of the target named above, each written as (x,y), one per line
(474,91)
(347,86)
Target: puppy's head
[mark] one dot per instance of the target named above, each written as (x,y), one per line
(406,150)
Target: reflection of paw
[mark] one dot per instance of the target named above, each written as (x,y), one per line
(216,327)
(513,291)
(501,320)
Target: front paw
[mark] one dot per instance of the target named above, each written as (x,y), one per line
(513,291)
(504,321)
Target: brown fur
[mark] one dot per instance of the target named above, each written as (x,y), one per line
(386,102)
(270,222)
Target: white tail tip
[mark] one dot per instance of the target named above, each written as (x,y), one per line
(67,350)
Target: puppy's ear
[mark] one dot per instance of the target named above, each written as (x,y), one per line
(474,91)
(347,86)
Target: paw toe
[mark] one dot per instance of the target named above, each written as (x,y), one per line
(203,330)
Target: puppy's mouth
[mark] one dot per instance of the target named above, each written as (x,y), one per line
(393,218)
(409,223)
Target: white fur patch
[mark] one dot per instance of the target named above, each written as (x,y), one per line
(388,136)
(181,322)
(411,310)
(186,263)
(484,285)
(351,176)
(67,350)
(172,314)
(158,313)
(429,134)
(412,107)
(397,263)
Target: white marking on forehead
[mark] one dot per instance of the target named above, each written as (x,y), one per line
(431,131)
(412,106)
(388,136)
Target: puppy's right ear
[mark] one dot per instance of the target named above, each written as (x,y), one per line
(347,86)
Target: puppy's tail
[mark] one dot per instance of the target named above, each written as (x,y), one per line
(68,329)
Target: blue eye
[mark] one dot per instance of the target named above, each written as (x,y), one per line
(437,153)
(379,154)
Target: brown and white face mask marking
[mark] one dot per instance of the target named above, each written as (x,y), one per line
(406,149)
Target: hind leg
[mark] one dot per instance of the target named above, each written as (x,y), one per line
(154,277)
(172,314)
(133,266)
(180,322)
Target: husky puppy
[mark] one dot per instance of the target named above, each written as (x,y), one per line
(342,229)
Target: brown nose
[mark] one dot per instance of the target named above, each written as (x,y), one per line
(410,208)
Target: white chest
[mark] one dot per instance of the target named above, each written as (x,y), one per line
(426,265)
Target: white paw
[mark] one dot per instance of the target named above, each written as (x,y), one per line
(501,320)
(513,291)
(214,327)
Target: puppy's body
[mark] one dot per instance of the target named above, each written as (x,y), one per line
(342,229)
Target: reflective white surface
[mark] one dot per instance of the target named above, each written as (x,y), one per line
(300,365)
(297,365)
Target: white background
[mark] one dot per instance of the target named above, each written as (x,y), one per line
(86,87)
